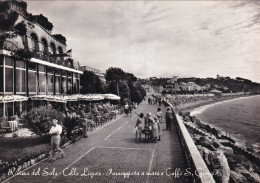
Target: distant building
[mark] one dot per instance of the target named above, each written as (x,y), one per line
(222,78)
(192,86)
(148,88)
(98,72)
(152,78)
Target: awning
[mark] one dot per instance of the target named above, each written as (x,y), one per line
(38,97)
(71,98)
(58,98)
(91,97)
(111,96)
(12,98)
(51,98)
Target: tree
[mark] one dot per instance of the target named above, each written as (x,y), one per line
(44,22)
(38,120)
(115,74)
(125,85)
(131,77)
(137,93)
(7,20)
(60,37)
(124,91)
(91,83)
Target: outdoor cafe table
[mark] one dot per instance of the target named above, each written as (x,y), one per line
(13,125)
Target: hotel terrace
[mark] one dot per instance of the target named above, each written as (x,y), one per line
(49,72)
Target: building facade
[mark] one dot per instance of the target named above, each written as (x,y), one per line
(98,72)
(48,71)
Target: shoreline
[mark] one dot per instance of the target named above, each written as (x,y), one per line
(191,107)
(198,107)
(236,162)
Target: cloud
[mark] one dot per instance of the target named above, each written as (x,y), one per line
(160,38)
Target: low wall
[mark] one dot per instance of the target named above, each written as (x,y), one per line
(191,153)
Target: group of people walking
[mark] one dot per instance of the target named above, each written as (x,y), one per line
(155,101)
(151,125)
(128,108)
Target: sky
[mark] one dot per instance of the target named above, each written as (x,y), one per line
(160,38)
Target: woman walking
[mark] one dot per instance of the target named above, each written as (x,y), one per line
(139,126)
(155,128)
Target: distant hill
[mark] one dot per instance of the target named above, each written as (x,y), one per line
(225,84)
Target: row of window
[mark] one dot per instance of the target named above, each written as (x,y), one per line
(41,79)
(45,47)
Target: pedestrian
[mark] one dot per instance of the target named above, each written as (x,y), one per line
(160,102)
(130,109)
(159,115)
(168,117)
(147,126)
(155,128)
(55,132)
(126,109)
(139,126)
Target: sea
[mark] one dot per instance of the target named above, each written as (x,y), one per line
(238,118)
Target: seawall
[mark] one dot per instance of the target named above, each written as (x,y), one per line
(191,153)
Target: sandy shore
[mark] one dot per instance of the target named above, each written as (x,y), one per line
(195,107)
(188,107)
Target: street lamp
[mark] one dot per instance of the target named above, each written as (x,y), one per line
(174,80)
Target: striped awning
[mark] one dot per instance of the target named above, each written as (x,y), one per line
(51,98)
(12,98)
(91,97)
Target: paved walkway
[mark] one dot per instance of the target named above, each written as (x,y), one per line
(111,153)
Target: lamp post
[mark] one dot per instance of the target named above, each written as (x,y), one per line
(174,80)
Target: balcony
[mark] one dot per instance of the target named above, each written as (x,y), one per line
(56,59)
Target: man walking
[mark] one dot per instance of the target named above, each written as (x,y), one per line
(55,132)
(168,117)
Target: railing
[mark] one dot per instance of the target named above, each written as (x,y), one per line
(196,163)
(9,46)
(52,59)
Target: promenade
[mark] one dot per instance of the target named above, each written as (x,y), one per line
(111,151)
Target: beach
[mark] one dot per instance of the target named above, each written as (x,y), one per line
(190,107)
(238,157)
(197,108)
